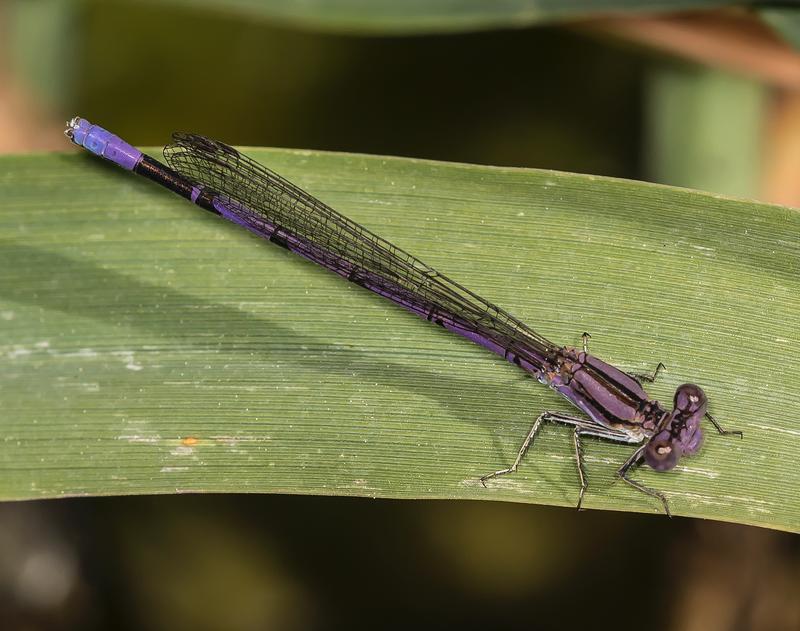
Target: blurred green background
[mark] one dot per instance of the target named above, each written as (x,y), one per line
(571,95)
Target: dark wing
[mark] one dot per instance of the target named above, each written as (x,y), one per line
(234,177)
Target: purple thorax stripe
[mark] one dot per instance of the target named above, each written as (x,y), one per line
(623,380)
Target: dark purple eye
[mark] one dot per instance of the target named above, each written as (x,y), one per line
(662,453)
(690,400)
(691,440)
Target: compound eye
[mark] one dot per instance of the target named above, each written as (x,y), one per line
(662,453)
(690,400)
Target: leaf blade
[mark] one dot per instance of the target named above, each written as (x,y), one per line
(149,348)
(426,16)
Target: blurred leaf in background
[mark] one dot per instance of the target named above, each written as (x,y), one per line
(250,82)
(285,74)
(387,17)
(691,111)
(785,21)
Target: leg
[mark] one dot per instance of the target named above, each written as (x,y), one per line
(597,432)
(724,432)
(623,473)
(576,437)
(583,427)
(522,450)
(553,417)
(650,378)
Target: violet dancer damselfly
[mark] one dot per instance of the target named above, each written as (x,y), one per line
(220,180)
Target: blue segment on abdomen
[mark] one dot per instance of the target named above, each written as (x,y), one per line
(105,144)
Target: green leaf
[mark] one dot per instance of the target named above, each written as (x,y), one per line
(785,21)
(437,16)
(705,128)
(148,347)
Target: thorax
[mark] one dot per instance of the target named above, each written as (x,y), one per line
(606,394)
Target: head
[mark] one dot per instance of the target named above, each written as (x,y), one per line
(680,435)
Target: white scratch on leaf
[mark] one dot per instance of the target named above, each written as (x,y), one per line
(772,428)
(138,438)
(127,357)
(700,499)
(706,472)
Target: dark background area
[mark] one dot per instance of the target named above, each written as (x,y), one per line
(263,562)
(506,98)
(549,97)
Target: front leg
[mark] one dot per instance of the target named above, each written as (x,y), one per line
(724,432)
(623,473)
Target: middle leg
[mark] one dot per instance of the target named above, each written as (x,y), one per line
(640,377)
